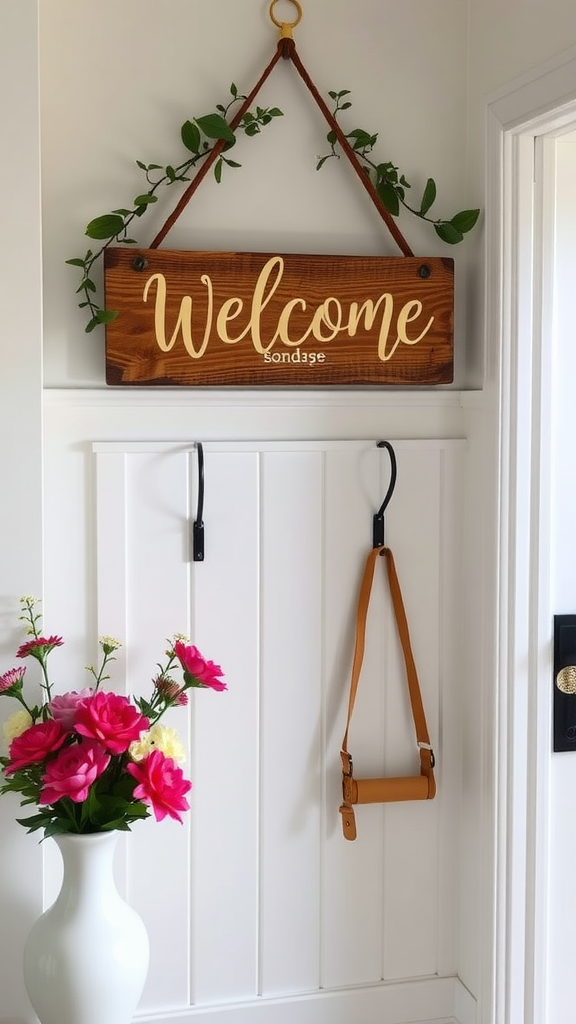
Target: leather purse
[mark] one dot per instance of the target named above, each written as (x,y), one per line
(411,787)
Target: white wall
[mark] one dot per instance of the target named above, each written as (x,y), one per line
(20,438)
(116,83)
(255,877)
(119,80)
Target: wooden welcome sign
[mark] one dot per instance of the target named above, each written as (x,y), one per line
(261,319)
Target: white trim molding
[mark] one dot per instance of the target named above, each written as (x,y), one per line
(521,121)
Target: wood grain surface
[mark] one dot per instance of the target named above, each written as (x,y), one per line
(191,318)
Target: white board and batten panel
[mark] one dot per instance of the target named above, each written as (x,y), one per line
(257,900)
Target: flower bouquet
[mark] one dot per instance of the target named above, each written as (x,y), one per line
(93,760)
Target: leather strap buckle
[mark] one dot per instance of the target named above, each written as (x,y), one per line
(426,746)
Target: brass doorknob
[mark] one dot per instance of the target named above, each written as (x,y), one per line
(566,679)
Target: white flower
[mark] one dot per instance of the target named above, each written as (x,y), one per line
(159,737)
(109,644)
(16,725)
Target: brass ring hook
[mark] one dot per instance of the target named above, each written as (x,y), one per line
(286,26)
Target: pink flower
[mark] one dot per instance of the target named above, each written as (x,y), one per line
(203,673)
(110,719)
(39,646)
(161,784)
(72,772)
(13,677)
(34,744)
(63,708)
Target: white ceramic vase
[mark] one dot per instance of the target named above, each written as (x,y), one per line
(86,958)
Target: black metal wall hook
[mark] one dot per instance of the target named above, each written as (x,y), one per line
(198,527)
(378,520)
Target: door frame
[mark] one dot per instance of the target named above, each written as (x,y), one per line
(521,122)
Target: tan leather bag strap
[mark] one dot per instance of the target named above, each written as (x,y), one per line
(423,787)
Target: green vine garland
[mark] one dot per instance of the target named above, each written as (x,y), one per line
(199,137)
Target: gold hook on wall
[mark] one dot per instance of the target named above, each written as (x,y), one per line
(286,26)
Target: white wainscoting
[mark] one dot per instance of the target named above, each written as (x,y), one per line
(258,909)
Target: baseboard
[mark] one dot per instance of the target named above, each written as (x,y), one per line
(426,1001)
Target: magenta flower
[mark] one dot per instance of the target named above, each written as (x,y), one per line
(39,646)
(13,677)
(63,708)
(72,772)
(91,759)
(35,744)
(202,672)
(111,719)
(161,784)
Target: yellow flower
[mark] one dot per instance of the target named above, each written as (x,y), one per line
(16,725)
(159,737)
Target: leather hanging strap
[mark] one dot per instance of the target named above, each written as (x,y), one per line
(286,48)
(417,787)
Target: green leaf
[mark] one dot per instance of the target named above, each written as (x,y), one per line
(144,706)
(233,90)
(389,198)
(86,285)
(35,821)
(108,226)
(91,325)
(190,135)
(359,135)
(448,233)
(58,828)
(275,112)
(218,170)
(323,160)
(215,127)
(465,220)
(332,138)
(76,262)
(119,825)
(106,316)
(145,199)
(361,139)
(345,106)
(428,196)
